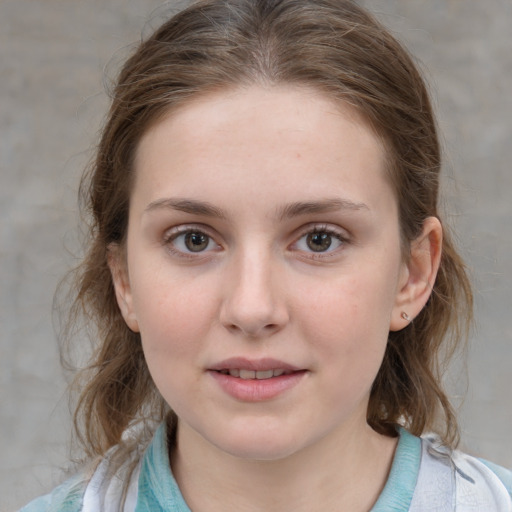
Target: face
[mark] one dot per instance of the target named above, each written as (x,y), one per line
(263,267)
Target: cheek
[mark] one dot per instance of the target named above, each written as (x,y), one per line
(173,321)
(349,318)
(173,313)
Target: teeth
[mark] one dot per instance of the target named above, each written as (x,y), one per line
(267,374)
(252,374)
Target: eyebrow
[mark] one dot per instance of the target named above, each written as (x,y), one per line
(322,206)
(188,206)
(287,211)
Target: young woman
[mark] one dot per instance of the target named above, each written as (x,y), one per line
(272,284)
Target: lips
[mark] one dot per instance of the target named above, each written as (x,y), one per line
(256,380)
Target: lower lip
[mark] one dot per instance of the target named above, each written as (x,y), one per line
(257,390)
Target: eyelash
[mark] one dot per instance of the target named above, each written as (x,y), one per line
(179,231)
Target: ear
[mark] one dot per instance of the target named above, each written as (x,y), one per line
(118,269)
(418,274)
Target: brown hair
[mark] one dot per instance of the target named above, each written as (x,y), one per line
(335,47)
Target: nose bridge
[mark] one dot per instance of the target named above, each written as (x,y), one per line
(255,274)
(254,304)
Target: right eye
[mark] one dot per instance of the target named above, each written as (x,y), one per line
(190,241)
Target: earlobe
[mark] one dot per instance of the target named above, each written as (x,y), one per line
(419,273)
(120,278)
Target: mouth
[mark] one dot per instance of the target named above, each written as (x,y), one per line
(256,380)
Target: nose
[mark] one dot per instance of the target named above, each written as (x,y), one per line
(254,303)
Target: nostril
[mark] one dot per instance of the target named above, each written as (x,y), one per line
(254,330)
(253,311)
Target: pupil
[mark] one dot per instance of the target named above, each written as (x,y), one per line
(196,242)
(319,241)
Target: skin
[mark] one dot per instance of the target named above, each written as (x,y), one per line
(230,169)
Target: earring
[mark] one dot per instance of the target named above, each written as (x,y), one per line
(405,316)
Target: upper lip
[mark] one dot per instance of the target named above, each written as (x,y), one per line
(263,364)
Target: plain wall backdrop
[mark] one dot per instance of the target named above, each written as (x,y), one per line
(52,59)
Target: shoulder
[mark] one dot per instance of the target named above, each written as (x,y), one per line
(490,481)
(67,497)
(461,480)
(505,475)
(109,486)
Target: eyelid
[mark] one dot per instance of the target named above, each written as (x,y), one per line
(317,227)
(171,233)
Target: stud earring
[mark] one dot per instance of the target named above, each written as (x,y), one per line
(405,316)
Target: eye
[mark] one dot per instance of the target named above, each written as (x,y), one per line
(187,241)
(320,240)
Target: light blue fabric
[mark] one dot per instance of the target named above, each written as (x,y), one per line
(67,497)
(39,504)
(399,489)
(503,474)
(158,490)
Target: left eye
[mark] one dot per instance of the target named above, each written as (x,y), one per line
(319,241)
(192,241)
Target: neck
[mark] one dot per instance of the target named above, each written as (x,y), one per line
(345,472)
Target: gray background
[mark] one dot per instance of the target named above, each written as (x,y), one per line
(52,59)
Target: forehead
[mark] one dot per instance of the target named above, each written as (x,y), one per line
(287,137)
(293,103)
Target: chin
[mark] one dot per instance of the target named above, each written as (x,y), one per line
(259,441)
(259,450)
